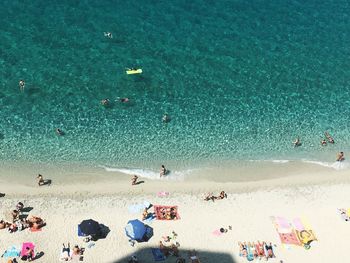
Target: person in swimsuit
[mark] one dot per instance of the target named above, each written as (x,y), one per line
(242,249)
(108,34)
(323,142)
(59,132)
(166,118)
(163,171)
(21,85)
(40,180)
(65,254)
(297,142)
(340,157)
(329,137)
(105,102)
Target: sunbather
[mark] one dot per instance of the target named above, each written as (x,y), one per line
(259,248)
(4,224)
(65,254)
(15,215)
(222,195)
(242,249)
(210,196)
(268,250)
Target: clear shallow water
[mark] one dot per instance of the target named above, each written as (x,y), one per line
(240,81)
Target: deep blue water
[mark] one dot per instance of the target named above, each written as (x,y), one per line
(240,80)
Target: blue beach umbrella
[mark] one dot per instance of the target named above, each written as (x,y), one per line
(136,230)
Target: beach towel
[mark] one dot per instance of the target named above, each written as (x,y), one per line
(250,254)
(24,248)
(32,229)
(158,254)
(163,194)
(138,208)
(166,212)
(11,252)
(285,231)
(304,232)
(217,232)
(344,214)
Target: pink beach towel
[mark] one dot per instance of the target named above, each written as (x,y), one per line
(298,224)
(24,248)
(217,232)
(163,194)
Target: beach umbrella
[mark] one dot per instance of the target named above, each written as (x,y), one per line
(90,227)
(136,230)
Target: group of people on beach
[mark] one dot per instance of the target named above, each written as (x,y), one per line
(254,250)
(21,221)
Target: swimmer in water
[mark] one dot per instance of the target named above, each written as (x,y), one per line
(108,34)
(323,142)
(297,142)
(340,157)
(21,84)
(105,102)
(59,132)
(329,137)
(166,118)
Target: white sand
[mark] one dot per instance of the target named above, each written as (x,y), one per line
(248,209)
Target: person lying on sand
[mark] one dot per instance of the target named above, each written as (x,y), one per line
(268,251)
(242,249)
(210,196)
(259,248)
(65,254)
(35,222)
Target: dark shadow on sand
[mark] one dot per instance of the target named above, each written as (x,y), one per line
(145,256)
(140,182)
(104,231)
(47,182)
(39,255)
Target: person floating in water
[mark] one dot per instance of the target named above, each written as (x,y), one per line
(166,118)
(123,100)
(323,142)
(59,132)
(108,34)
(340,157)
(297,142)
(163,170)
(329,137)
(105,102)
(21,85)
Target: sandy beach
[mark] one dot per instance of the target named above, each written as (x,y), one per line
(248,209)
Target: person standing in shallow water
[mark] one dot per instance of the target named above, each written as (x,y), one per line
(21,85)
(162,171)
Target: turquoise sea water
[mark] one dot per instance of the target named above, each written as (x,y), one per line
(240,80)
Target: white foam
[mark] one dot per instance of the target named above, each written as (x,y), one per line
(334,165)
(150,174)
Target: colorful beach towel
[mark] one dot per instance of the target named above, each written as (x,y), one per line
(11,252)
(166,212)
(285,231)
(24,248)
(304,232)
(158,254)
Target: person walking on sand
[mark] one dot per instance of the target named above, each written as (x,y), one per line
(40,180)
(162,171)
(134,180)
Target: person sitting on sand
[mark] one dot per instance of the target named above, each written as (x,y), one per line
(19,206)
(323,142)
(77,252)
(134,180)
(340,157)
(329,137)
(173,213)
(222,195)
(14,215)
(35,222)
(65,254)
(40,180)
(105,102)
(29,254)
(163,171)
(145,214)
(297,142)
(4,224)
